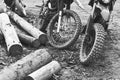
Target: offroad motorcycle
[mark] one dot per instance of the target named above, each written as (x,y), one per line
(95,31)
(16,6)
(63,25)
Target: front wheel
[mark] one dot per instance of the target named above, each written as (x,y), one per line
(70,29)
(92,44)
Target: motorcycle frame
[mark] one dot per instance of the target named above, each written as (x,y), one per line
(90,21)
(93,18)
(59,11)
(60,6)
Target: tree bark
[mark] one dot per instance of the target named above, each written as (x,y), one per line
(36,33)
(14,46)
(3,8)
(29,40)
(20,8)
(24,38)
(45,72)
(26,65)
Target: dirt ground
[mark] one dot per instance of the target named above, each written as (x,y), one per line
(108,68)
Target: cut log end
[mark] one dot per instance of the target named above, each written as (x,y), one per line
(43,39)
(36,43)
(26,65)
(15,50)
(28,78)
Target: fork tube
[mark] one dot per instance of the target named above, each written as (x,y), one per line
(93,9)
(60,14)
(90,19)
(59,21)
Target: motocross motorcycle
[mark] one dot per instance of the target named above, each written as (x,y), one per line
(95,31)
(16,6)
(63,25)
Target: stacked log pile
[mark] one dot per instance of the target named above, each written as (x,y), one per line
(35,40)
(36,33)
(38,65)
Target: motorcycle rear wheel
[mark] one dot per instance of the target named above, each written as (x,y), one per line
(92,44)
(51,35)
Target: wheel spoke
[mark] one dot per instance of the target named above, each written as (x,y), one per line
(67,29)
(89,41)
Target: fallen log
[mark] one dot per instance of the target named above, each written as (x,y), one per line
(20,8)
(45,72)
(2,9)
(36,33)
(14,46)
(24,38)
(25,66)
(28,40)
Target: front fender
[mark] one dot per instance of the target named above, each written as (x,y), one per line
(105,14)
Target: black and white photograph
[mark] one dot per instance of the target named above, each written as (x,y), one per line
(59,39)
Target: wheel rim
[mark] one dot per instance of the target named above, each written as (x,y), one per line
(67,30)
(87,45)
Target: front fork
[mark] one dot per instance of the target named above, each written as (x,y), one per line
(59,21)
(60,9)
(90,21)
